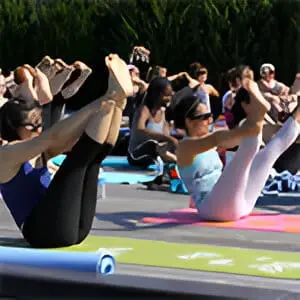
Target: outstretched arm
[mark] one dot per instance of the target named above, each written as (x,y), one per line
(176,76)
(12,155)
(189,148)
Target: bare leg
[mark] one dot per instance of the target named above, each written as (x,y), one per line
(106,129)
(115,124)
(120,84)
(99,125)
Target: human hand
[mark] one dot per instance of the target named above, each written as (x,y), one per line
(140,53)
(24,78)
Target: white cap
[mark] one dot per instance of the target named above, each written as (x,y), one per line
(264,68)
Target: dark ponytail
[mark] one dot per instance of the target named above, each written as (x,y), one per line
(237,110)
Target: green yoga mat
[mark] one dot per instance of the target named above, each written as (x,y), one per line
(273,264)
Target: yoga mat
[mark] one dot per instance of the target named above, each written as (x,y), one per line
(122,162)
(123,177)
(115,176)
(255,262)
(110,161)
(260,221)
(101,262)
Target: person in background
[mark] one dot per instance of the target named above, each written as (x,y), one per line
(2,89)
(277,93)
(150,133)
(228,97)
(205,91)
(139,89)
(158,71)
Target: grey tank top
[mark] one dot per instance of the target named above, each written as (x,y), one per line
(135,139)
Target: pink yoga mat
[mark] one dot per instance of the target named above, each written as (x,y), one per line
(256,221)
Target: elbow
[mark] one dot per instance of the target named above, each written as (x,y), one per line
(215,93)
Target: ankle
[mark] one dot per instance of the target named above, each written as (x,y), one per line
(254,127)
(121,104)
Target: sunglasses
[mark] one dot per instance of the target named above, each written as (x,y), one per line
(31,127)
(201,117)
(202,72)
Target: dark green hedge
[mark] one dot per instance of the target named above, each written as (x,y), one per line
(218,33)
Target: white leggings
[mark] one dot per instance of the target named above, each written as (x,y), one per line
(242,181)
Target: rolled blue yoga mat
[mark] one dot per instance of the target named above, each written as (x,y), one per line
(101,263)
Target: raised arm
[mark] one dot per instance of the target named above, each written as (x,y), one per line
(212,90)
(176,76)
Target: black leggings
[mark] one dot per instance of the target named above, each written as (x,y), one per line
(53,111)
(65,216)
(144,154)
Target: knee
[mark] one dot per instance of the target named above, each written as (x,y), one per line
(107,106)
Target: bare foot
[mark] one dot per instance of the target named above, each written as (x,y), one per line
(58,81)
(119,81)
(42,87)
(78,77)
(45,65)
(25,89)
